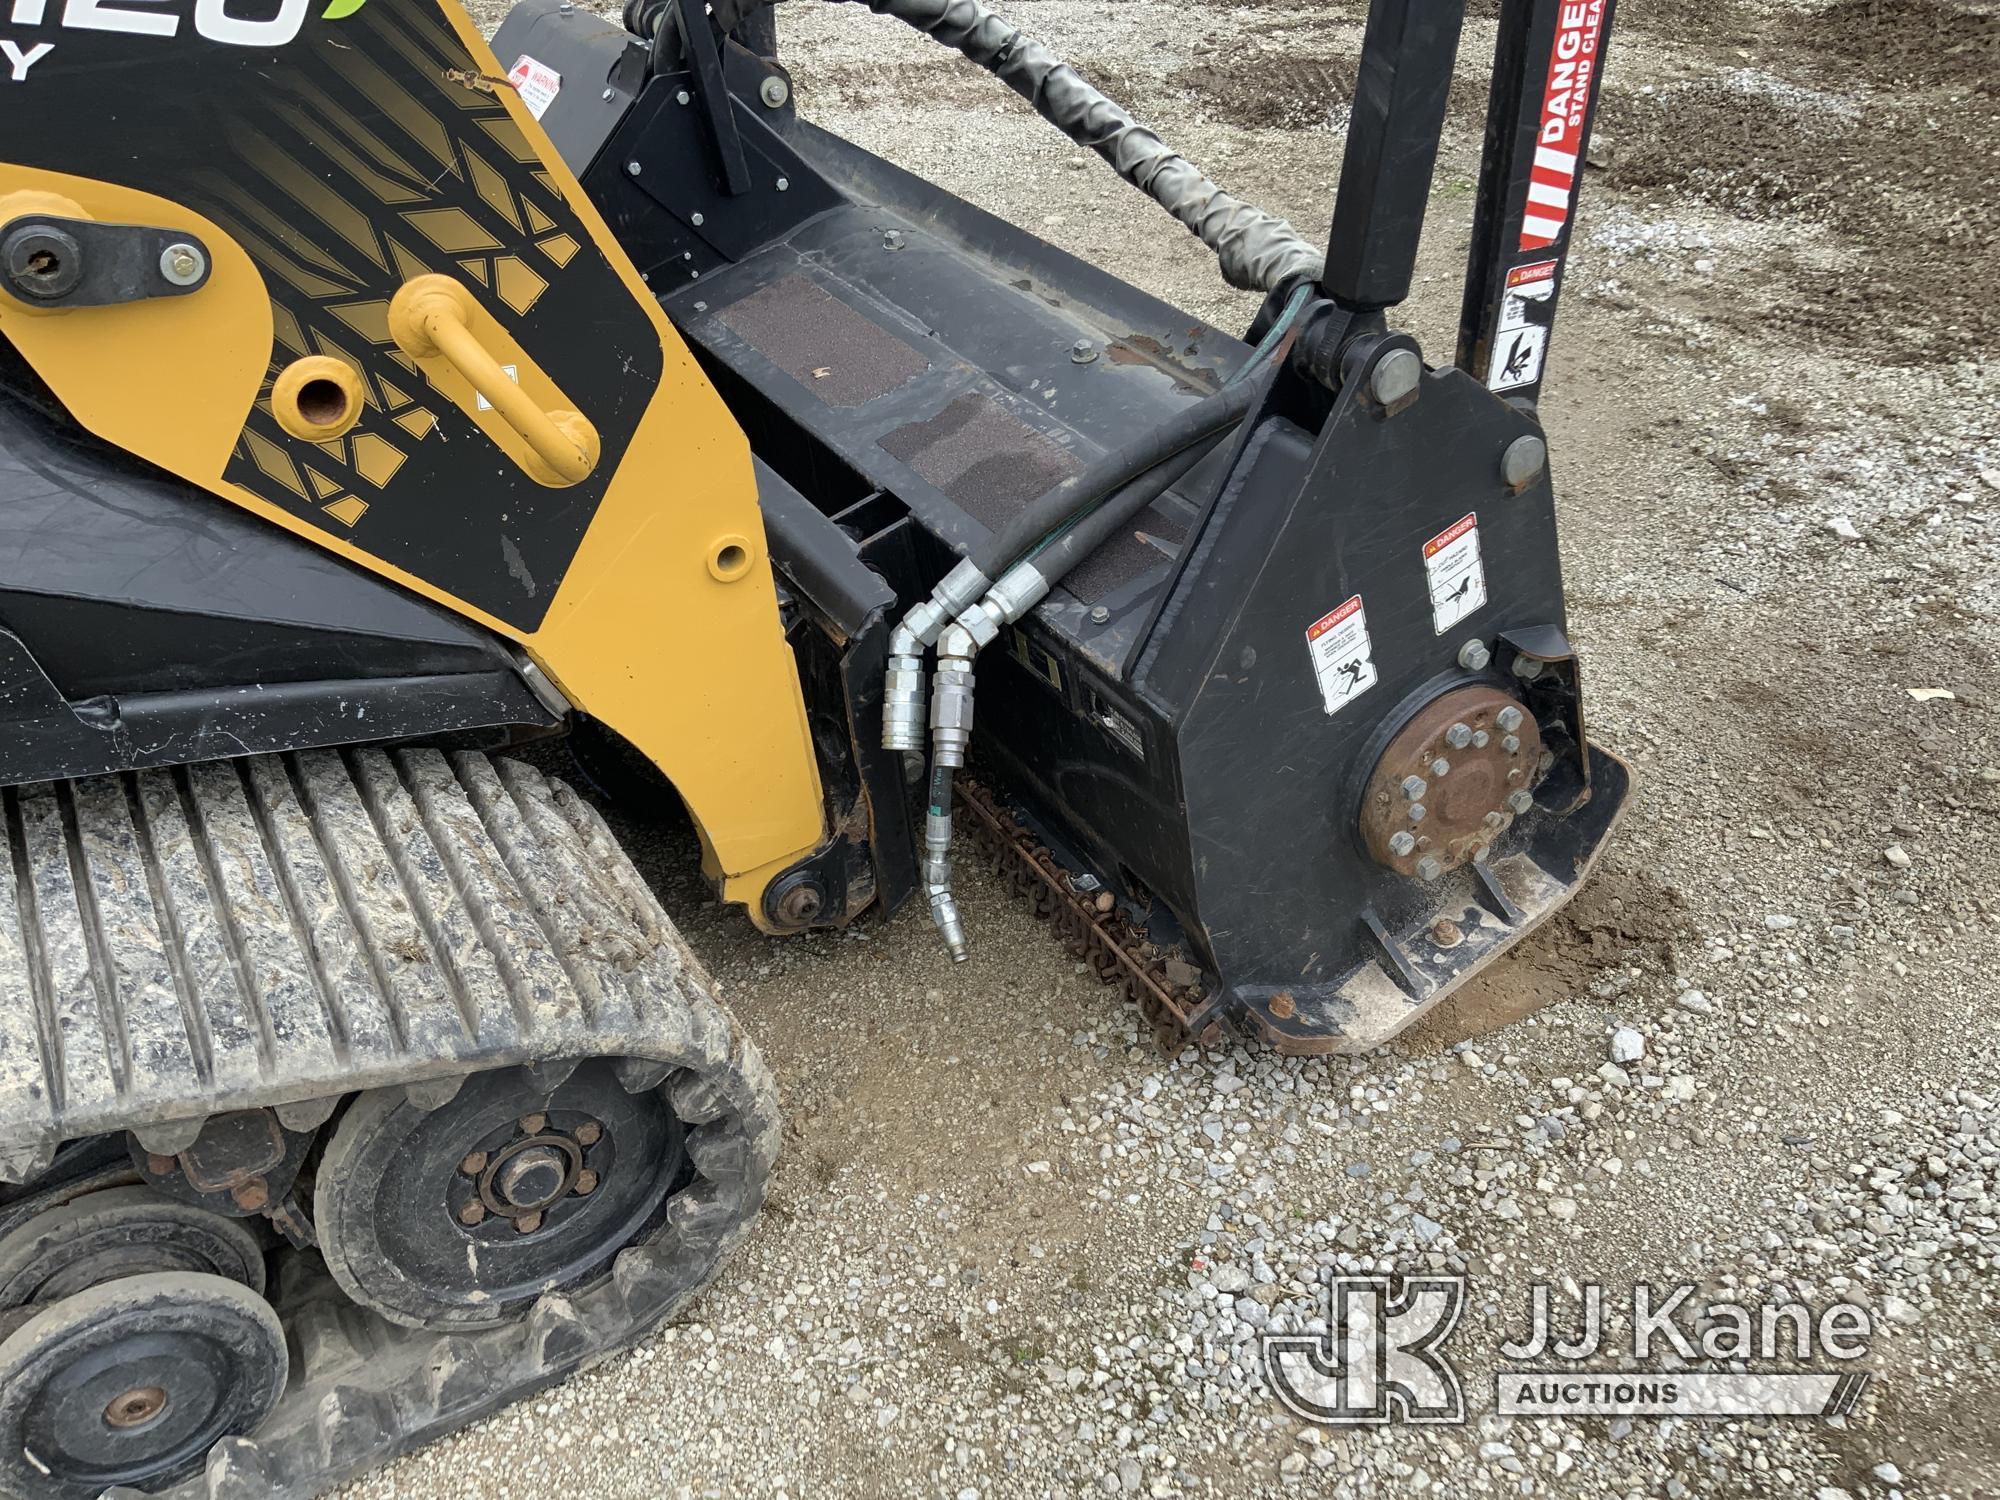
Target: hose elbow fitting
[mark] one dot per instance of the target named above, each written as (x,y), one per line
(903,692)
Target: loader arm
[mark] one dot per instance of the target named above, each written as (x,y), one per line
(326,267)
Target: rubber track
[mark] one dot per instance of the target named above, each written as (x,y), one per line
(283,930)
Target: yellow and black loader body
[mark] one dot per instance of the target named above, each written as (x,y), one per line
(374,401)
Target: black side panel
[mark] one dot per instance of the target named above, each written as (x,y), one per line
(144,623)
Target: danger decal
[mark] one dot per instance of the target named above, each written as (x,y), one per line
(1457,575)
(1565,102)
(1343,657)
(1521,338)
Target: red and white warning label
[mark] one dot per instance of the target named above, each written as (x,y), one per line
(1565,102)
(1521,337)
(1457,577)
(536,82)
(1343,657)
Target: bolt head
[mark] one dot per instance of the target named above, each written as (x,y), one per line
(1401,843)
(1395,376)
(1414,788)
(1473,656)
(632,168)
(586,1183)
(1520,801)
(774,91)
(1100,615)
(1458,736)
(589,1133)
(1527,668)
(528,1223)
(1440,767)
(534,1124)
(1082,352)
(1496,819)
(1546,761)
(1481,739)
(1418,812)
(1511,744)
(473,1214)
(1508,718)
(892,239)
(1522,460)
(1428,868)
(682,96)
(784,183)
(474,1164)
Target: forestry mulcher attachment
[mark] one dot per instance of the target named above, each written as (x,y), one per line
(373,403)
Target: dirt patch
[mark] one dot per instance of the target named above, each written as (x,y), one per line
(1271,91)
(1937,41)
(1905,176)
(1620,918)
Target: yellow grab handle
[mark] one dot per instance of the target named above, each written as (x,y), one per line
(430,318)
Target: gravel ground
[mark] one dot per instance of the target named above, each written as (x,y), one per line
(1011,1252)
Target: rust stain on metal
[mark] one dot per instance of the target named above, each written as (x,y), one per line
(1141,349)
(1283,1006)
(1461,789)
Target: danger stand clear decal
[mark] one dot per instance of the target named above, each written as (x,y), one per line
(1457,576)
(1343,657)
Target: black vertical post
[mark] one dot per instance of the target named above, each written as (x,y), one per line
(1547,67)
(1400,93)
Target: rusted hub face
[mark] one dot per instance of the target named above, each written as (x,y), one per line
(136,1407)
(1440,791)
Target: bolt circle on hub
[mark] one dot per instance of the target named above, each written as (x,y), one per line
(1467,804)
(566,1180)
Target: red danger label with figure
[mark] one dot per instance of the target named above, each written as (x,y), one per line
(1343,657)
(1457,575)
(1559,140)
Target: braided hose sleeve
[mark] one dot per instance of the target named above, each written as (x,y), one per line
(1257,251)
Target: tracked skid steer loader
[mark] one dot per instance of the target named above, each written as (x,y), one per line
(373,402)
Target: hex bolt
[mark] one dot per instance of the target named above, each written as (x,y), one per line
(589,1133)
(1511,744)
(586,1183)
(473,1214)
(774,91)
(182,264)
(1546,761)
(1440,767)
(1522,460)
(1458,736)
(892,239)
(1495,819)
(1428,868)
(1509,718)
(1418,812)
(1395,376)
(606,96)
(1082,352)
(473,1164)
(528,1223)
(784,184)
(1520,801)
(632,168)
(1481,739)
(534,1124)
(1527,668)
(1401,843)
(1100,615)
(1414,788)
(696,219)
(1473,656)
(682,97)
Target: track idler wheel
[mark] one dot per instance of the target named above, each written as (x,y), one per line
(460,1217)
(122,1231)
(132,1381)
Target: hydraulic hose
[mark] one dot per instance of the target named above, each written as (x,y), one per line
(1198,424)
(1258,251)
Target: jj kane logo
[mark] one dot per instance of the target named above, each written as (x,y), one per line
(1382,1357)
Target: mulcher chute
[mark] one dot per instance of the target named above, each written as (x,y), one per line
(402,405)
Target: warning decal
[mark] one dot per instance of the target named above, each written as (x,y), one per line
(1457,577)
(536,82)
(1342,656)
(1521,337)
(1559,139)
